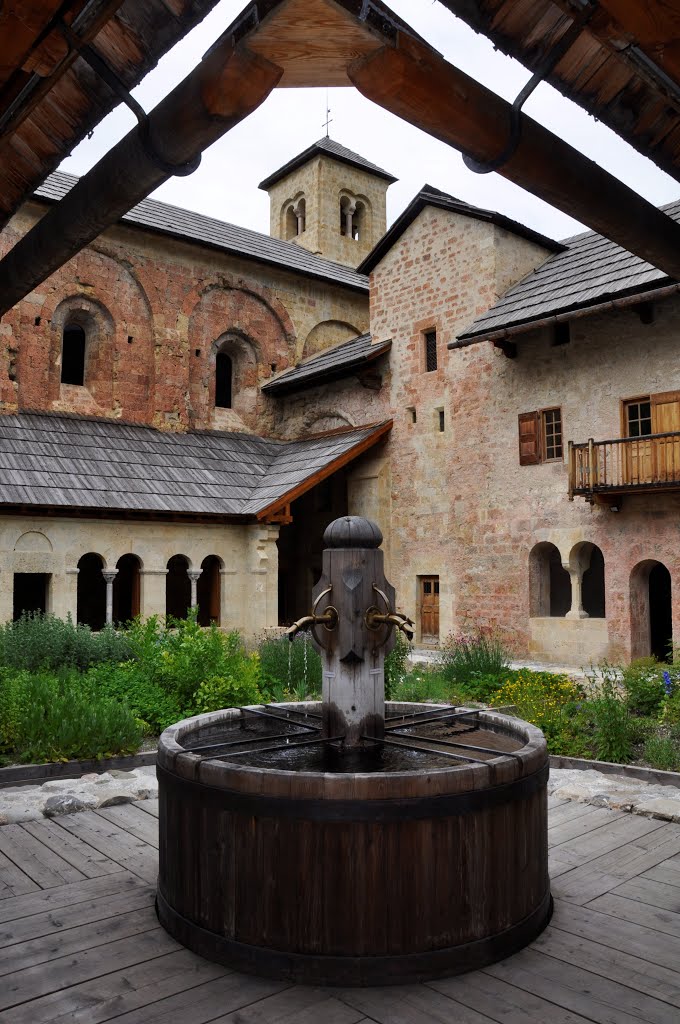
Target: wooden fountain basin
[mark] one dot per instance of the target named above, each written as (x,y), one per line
(354,878)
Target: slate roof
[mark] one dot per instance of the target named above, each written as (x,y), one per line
(327,147)
(252,245)
(589,270)
(431,196)
(71,462)
(327,365)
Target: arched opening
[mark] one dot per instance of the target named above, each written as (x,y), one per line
(301,216)
(91,599)
(592,584)
(177,588)
(549,583)
(651,611)
(73,355)
(291,224)
(208,591)
(126,589)
(223,380)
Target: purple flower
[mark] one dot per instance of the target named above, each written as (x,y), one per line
(667,683)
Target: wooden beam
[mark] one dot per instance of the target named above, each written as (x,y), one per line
(228,84)
(413,82)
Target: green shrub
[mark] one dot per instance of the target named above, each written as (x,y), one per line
(643,685)
(128,683)
(609,713)
(228,692)
(663,752)
(466,657)
(422,685)
(60,718)
(554,703)
(289,669)
(43,643)
(396,664)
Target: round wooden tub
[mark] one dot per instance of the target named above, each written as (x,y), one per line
(356,878)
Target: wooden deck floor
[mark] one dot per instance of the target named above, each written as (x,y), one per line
(79,940)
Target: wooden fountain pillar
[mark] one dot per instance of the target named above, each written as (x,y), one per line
(358,601)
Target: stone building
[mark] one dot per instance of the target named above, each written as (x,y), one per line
(186,404)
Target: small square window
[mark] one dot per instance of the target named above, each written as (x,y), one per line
(412,413)
(430,351)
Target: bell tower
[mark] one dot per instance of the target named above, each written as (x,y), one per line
(330,201)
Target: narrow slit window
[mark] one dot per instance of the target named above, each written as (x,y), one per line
(73,355)
(442,420)
(223,381)
(430,351)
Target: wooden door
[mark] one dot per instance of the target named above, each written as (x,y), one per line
(429,609)
(666,419)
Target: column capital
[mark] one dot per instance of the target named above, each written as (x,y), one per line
(193,574)
(109,574)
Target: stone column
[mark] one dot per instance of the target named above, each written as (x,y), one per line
(193,575)
(6,595)
(350,210)
(109,575)
(576,611)
(152,592)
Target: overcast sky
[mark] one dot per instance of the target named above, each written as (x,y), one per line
(225,185)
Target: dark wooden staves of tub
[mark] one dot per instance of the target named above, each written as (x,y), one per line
(354,879)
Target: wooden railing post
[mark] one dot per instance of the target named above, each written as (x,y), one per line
(592,468)
(571,463)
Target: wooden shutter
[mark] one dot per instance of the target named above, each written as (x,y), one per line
(665,412)
(529,438)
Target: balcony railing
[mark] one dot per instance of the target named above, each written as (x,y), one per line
(624,465)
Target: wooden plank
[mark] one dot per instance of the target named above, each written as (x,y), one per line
(131,819)
(39,900)
(60,922)
(578,825)
(21,955)
(105,998)
(605,839)
(13,882)
(565,811)
(412,1004)
(87,860)
(64,972)
(504,1003)
(209,1001)
(655,894)
(626,936)
(637,974)
(131,853)
(295,1005)
(581,991)
(668,871)
(148,806)
(43,865)
(584,883)
(664,921)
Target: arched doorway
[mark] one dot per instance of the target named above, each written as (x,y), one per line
(126,589)
(208,591)
(592,581)
(651,610)
(177,588)
(549,583)
(91,600)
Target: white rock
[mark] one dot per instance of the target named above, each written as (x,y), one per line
(658,807)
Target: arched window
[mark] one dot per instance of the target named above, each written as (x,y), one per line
(549,583)
(592,585)
(296,218)
(208,591)
(126,589)
(223,381)
(352,218)
(73,355)
(651,611)
(177,588)
(91,601)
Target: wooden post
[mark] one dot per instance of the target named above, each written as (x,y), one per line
(353,654)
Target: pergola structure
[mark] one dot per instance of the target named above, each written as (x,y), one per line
(619,58)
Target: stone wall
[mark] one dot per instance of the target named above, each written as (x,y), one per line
(462,508)
(156,311)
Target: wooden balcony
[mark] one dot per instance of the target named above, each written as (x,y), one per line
(601,470)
